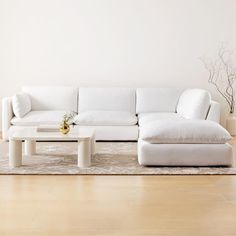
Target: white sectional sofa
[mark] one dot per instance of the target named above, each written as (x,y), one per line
(119,114)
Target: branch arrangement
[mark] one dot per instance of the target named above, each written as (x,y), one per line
(69,117)
(222,75)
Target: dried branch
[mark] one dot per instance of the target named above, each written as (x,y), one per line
(220,71)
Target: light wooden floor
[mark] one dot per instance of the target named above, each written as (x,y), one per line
(118,205)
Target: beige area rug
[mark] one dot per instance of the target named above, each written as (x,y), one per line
(112,158)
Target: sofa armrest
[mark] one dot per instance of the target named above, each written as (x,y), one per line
(7,115)
(214,112)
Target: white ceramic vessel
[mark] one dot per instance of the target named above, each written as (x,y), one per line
(231,124)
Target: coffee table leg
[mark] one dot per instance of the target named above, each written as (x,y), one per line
(30,147)
(84,153)
(15,153)
(93,146)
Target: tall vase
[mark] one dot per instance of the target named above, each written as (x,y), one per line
(231,124)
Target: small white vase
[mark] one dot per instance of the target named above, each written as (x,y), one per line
(231,124)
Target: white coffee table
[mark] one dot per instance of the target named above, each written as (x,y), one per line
(84,136)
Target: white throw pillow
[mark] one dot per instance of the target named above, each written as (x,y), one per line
(184,131)
(21,104)
(194,104)
(106,118)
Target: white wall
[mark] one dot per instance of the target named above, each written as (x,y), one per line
(111,42)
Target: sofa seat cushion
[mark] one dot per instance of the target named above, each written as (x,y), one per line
(146,118)
(35,118)
(184,131)
(106,118)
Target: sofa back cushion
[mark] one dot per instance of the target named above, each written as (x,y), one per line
(107,99)
(194,104)
(157,99)
(106,118)
(21,104)
(52,98)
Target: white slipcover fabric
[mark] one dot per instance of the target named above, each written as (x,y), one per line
(157,99)
(184,154)
(214,112)
(21,104)
(115,133)
(7,114)
(107,99)
(194,104)
(52,98)
(35,118)
(184,131)
(146,118)
(106,118)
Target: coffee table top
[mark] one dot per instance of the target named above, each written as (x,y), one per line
(31,133)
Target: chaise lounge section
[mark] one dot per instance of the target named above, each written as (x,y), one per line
(184,143)
(182,130)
